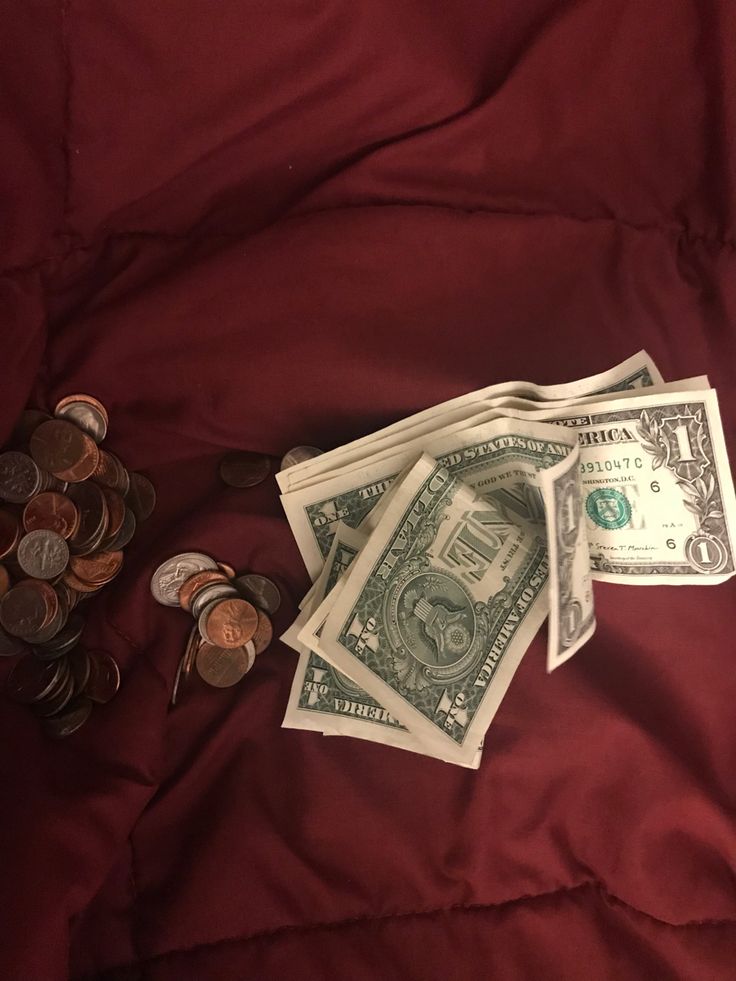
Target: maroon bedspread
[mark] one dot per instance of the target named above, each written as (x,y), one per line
(250,224)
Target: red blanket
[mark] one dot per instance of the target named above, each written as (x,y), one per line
(251,225)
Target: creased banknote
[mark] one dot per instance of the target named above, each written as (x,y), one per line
(440,606)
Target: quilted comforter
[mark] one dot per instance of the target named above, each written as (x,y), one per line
(251,224)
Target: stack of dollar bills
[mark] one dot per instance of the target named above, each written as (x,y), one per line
(440,544)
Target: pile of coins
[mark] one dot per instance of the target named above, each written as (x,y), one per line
(68,508)
(232,616)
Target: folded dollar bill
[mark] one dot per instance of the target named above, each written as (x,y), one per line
(619,477)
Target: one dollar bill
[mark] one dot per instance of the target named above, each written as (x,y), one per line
(431,629)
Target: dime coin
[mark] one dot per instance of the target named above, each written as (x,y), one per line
(222,668)
(244,469)
(64,450)
(72,718)
(43,554)
(264,633)
(141,498)
(20,477)
(230,623)
(86,413)
(208,594)
(168,578)
(260,590)
(104,677)
(51,511)
(299,454)
(90,399)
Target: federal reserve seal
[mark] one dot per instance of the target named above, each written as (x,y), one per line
(608,508)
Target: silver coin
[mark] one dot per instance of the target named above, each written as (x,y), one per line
(43,554)
(167,579)
(215,591)
(87,417)
(260,591)
(299,454)
(204,617)
(20,477)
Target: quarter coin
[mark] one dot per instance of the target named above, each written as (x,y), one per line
(171,574)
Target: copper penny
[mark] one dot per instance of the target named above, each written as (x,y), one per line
(98,568)
(84,588)
(85,412)
(24,610)
(10,533)
(264,633)
(64,450)
(71,718)
(105,473)
(243,469)
(30,680)
(229,623)
(227,569)
(20,477)
(223,667)
(190,653)
(30,420)
(92,507)
(194,583)
(177,682)
(4,581)
(104,677)
(141,498)
(52,512)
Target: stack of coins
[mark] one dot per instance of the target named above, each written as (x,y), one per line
(231,612)
(68,508)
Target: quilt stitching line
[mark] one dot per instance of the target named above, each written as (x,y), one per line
(680,232)
(588,885)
